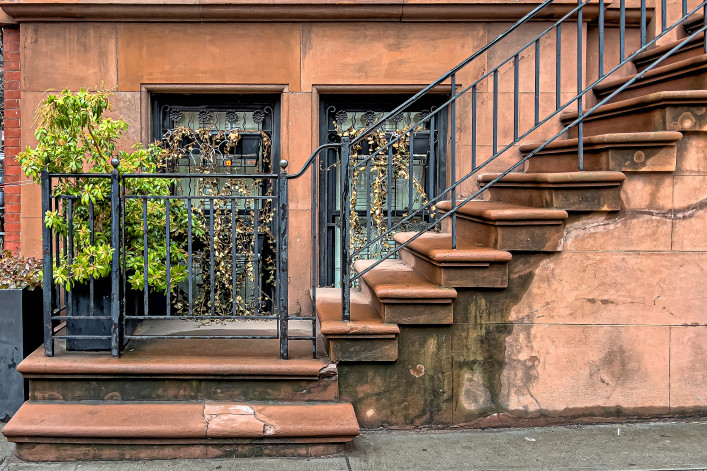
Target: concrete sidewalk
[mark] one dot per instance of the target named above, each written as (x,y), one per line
(647,446)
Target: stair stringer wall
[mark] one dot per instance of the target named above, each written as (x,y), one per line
(613,327)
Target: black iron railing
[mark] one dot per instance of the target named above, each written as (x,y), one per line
(206,257)
(491,80)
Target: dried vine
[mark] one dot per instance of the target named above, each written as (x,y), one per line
(230,216)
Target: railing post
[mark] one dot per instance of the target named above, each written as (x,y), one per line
(47,272)
(282,278)
(345,228)
(115,259)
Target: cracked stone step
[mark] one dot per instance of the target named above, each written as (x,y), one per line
(622,152)
(140,430)
(403,296)
(469,265)
(569,191)
(507,226)
(675,110)
(364,338)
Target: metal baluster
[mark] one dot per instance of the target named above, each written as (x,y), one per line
(146,288)
(389,197)
(536,119)
(345,227)
(643,23)
(453,156)
(601,38)
(256,254)
(315,166)
(282,278)
(234,262)
(580,86)
(495,113)
(211,257)
(91,288)
(168,260)
(115,259)
(558,68)
(368,200)
(47,268)
(516,97)
(411,171)
(70,253)
(473,128)
(622,30)
(663,15)
(190,261)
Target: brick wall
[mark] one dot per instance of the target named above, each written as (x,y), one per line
(11,44)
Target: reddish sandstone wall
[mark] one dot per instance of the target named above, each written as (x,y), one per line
(11,45)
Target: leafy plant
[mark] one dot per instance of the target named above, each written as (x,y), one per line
(74,136)
(19,272)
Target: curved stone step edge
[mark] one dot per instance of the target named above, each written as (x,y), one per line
(656,75)
(692,48)
(327,421)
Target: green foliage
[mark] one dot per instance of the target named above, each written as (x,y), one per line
(74,136)
(19,272)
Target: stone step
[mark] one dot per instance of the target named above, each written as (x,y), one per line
(687,74)
(506,226)
(692,48)
(569,191)
(215,369)
(364,338)
(62,431)
(469,265)
(681,110)
(403,296)
(622,152)
(694,23)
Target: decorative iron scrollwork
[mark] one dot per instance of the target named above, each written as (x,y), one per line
(232,117)
(258,117)
(341,116)
(205,116)
(175,115)
(370,117)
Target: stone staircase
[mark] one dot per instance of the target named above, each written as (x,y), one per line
(643,130)
(216,398)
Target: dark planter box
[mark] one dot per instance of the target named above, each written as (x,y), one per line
(20,334)
(81,305)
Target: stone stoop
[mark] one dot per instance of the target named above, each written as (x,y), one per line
(50,431)
(213,398)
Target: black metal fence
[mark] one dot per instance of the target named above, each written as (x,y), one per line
(112,263)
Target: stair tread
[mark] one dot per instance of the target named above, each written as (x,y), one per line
(364,318)
(245,361)
(656,138)
(668,97)
(394,279)
(655,52)
(693,63)
(557,177)
(500,211)
(438,247)
(183,420)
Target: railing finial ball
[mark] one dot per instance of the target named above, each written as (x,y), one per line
(283,164)
(114,162)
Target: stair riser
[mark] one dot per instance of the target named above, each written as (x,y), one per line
(569,199)
(140,451)
(690,81)
(362,349)
(513,238)
(494,275)
(664,118)
(693,49)
(624,159)
(416,313)
(155,389)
